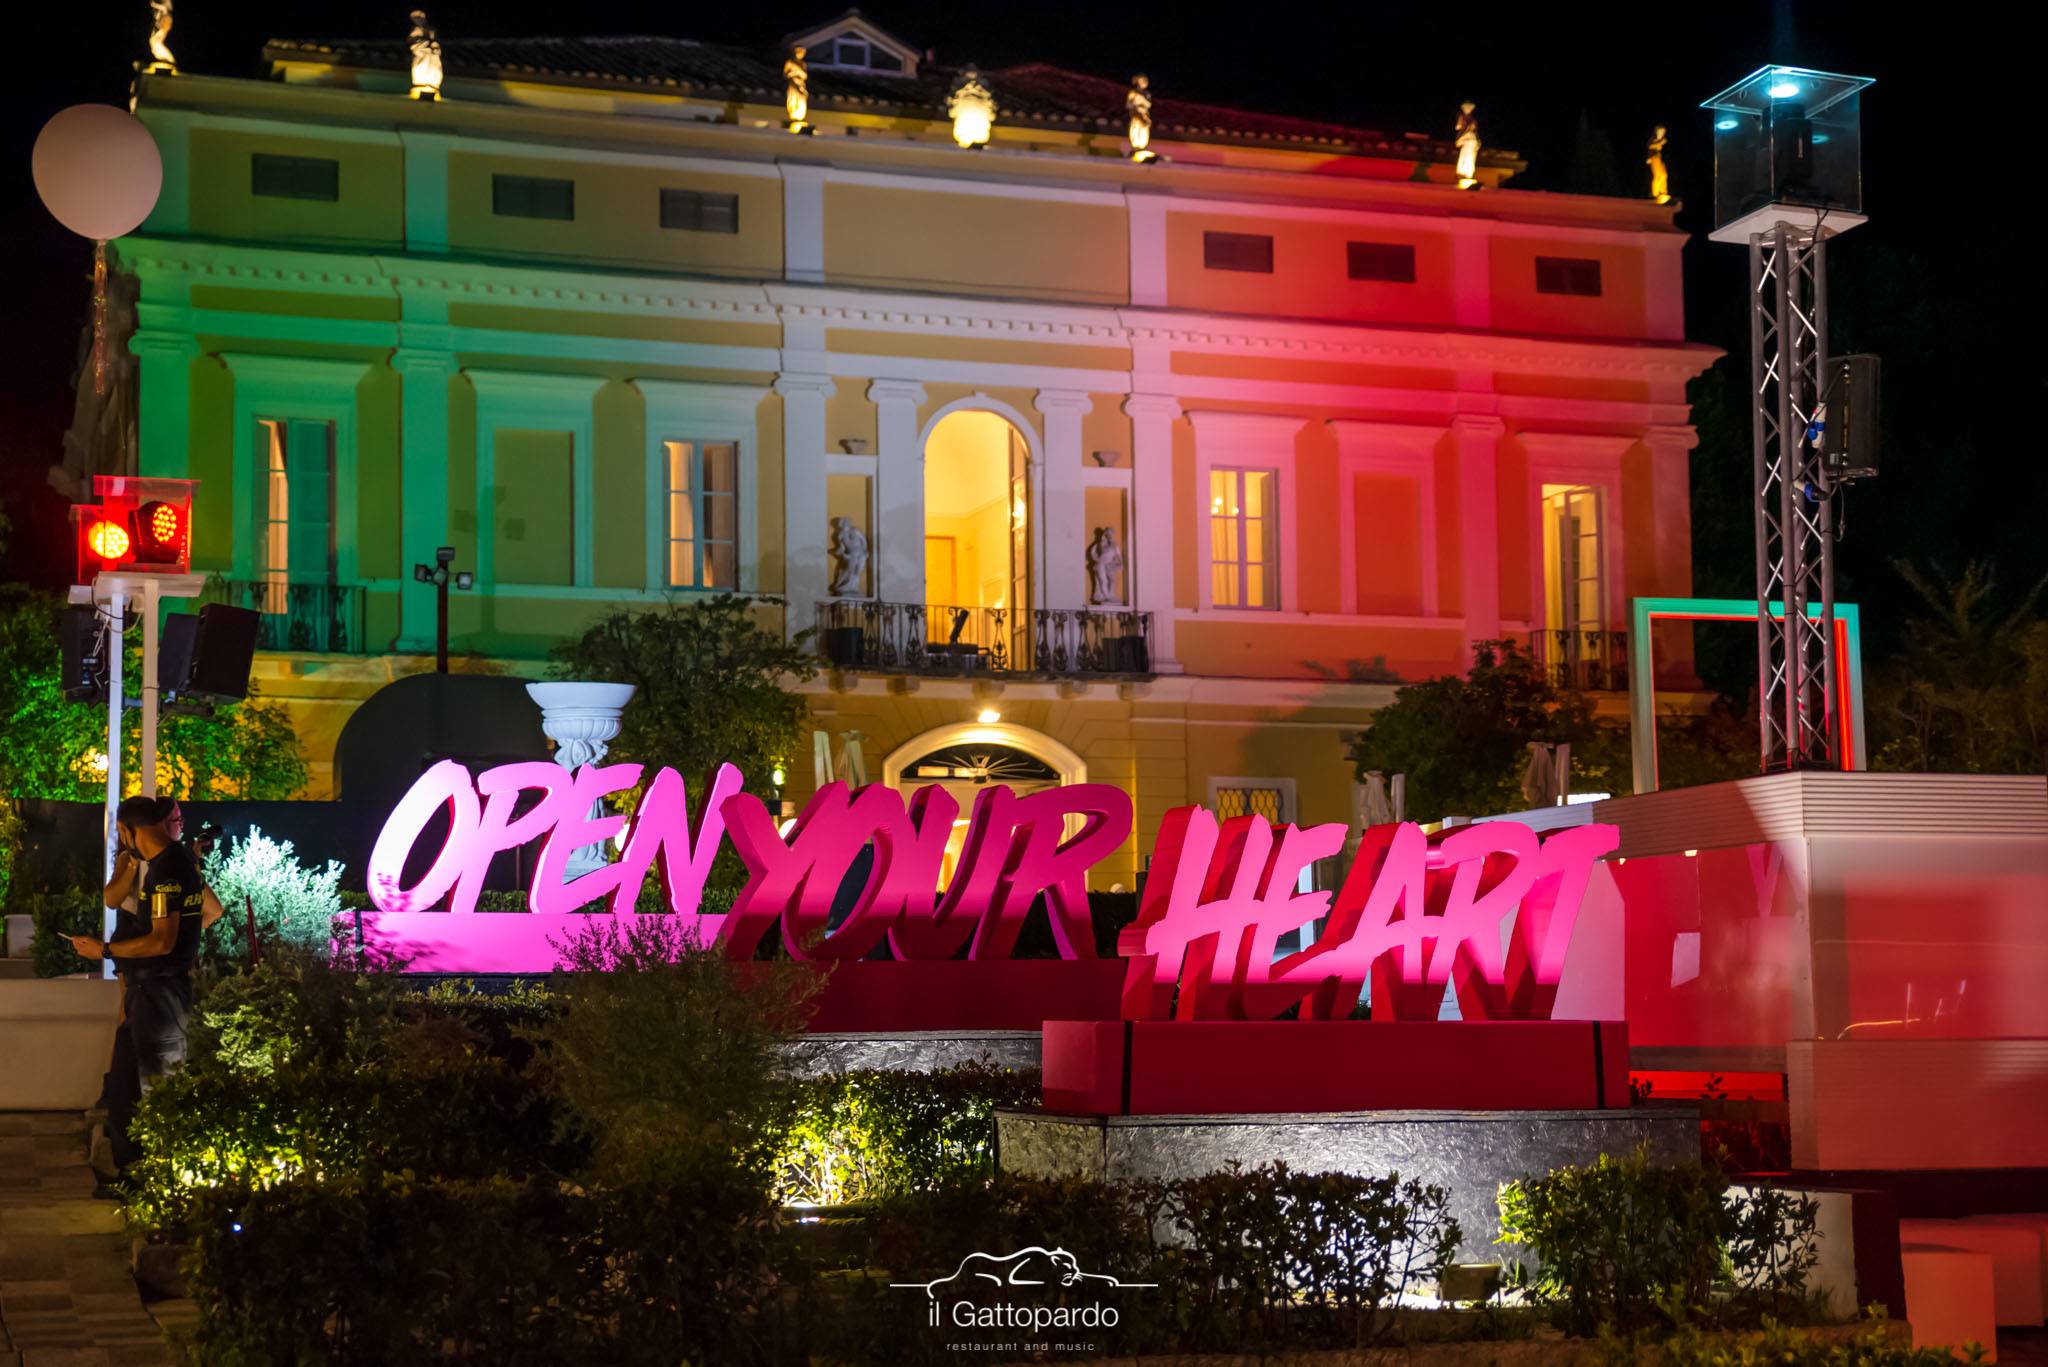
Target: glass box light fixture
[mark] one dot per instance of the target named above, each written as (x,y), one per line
(1787,147)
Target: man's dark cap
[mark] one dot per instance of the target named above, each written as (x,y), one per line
(140,811)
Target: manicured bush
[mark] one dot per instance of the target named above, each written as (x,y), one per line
(1876,1345)
(72,911)
(870,1133)
(294,904)
(1623,1243)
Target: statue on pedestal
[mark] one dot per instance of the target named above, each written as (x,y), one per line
(160,58)
(850,558)
(1660,180)
(1467,141)
(796,91)
(1105,567)
(1138,105)
(426,58)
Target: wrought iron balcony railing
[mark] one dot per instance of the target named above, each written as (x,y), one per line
(919,638)
(1590,661)
(322,618)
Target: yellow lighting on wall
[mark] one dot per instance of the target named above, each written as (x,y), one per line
(973,109)
(988,716)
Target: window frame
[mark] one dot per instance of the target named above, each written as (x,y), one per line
(293,169)
(701,541)
(1401,251)
(1236,440)
(503,183)
(1270,524)
(700,200)
(1285,787)
(1214,238)
(694,411)
(286,389)
(1566,275)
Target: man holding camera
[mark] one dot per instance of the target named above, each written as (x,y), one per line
(153,949)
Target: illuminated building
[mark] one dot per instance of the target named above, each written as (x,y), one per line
(598,320)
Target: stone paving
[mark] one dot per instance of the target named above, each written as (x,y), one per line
(67,1298)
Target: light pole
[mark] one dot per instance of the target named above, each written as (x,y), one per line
(438,574)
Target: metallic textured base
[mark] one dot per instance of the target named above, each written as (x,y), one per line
(1468,1153)
(922,1051)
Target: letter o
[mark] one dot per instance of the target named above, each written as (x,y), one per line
(447,783)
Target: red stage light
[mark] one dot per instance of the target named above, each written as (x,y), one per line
(160,532)
(107,540)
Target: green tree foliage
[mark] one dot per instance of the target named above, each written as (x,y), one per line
(1463,740)
(47,745)
(1968,691)
(711,686)
(293,902)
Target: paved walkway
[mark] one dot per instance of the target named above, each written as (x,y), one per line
(67,1298)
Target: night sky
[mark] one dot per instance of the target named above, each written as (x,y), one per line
(1939,282)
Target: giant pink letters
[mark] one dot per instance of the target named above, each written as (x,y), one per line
(1413,915)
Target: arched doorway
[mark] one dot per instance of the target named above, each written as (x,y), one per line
(965,758)
(977,540)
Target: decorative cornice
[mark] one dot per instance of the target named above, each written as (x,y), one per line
(1352,433)
(1063,401)
(1153,406)
(1663,437)
(1478,425)
(897,391)
(820,385)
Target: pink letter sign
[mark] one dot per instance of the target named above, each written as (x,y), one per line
(1016,848)
(1411,917)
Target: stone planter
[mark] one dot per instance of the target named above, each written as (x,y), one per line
(581,719)
(21,935)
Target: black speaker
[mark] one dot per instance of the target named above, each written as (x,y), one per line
(223,645)
(174,651)
(1850,444)
(82,638)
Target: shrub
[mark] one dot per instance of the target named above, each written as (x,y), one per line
(871,1133)
(1623,1243)
(294,904)
(72,911)
(1780,1346)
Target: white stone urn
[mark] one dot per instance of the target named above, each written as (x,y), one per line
(581,719)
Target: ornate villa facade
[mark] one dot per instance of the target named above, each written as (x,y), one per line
(1154,466)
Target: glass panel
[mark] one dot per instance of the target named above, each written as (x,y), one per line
(718,467)
(276,544)
(1255,586)
(678,464)
(718,566)
(718,517)
(1223,584)
(682,564)
(1255,492)
(1219,491)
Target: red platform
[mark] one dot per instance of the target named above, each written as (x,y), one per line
(1239,1067)
(884,996)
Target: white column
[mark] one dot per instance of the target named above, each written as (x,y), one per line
(1671,495)
(803,223)
(806,563)
(423,484)
(1476,440)
(164,439)
(899,492)
(1148,560)
(1062,582)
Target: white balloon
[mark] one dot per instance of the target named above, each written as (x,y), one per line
(98,170)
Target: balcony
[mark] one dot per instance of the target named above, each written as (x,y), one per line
(916,638)
(321,618)
(1589,661)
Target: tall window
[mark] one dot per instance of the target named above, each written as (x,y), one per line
(295,544)
(1242,524)
(703,514)
(1574,594)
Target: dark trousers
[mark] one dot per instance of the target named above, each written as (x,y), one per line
(150,1043)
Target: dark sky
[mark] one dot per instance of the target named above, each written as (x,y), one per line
(1938,281)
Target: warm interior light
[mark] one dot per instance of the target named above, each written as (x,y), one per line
(107,540)
(989,716)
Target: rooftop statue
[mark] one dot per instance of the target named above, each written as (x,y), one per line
(796,94)
(426,58)
(1138,104)
(1467,141)
(160,37)
(1660,179)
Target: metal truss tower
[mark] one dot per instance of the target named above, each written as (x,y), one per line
(1794,507)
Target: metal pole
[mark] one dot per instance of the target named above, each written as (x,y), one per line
(117,605)
(1790,542)
(150,601)
(1760,449)
(1830,729)
(441,621)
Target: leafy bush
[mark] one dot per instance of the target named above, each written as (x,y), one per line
(73,911)
(1623,1243)
(389,1271)
(871,1133)
(665,1056)
(1779,1346)
(294,904)
(297,1068)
